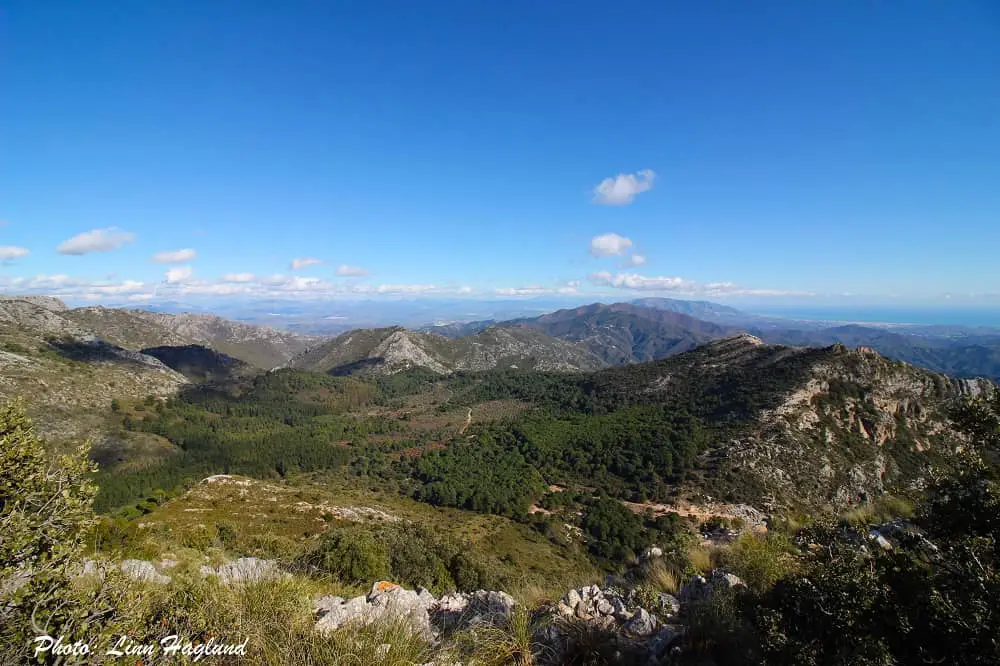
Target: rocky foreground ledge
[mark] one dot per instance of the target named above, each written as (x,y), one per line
(619,615)
(630,621)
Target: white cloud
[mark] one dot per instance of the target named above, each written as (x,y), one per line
(636,260)
(126,287)
(97,240)
(535,290)
(64,285)
(179,274)
(524,291)
(174,256)
(639,282)
(636,282)
(623,188)
(239,277)
(609,245)
(405,288)
(8,252)
(351,271)
(300,263)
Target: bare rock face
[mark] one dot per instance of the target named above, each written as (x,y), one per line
(246,570)
(143,570)
(471,609)
(427,615)
(50,303)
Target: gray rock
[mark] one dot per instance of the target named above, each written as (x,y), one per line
(660,643)
(699,589)
(622,612)
(669,605)
(572,598)
(335,612)
(695,589)
(247,570)
(642,624)
(722,579)
(404,603)
(142,570)
(604,607)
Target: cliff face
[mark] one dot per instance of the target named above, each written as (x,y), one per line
(853,425)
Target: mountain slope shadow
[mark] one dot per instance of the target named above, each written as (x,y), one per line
(357,366)
(199,363)
(99,351)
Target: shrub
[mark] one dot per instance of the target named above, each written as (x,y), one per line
(353,555)
(45,517)
(759,559)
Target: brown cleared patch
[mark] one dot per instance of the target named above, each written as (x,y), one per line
(418,451)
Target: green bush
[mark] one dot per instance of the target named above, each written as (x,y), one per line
(761,560)
(45,519)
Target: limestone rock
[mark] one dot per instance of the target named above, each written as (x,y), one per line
(143,571)
(246,570)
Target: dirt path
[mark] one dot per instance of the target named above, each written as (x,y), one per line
(752,518)
(468,421)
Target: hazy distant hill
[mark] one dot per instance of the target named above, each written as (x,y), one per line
(951,356)
(390,350)
(698,309)
(623,333)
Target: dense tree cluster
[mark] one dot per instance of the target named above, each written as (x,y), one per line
(488,475)
(411,555)
(281,423)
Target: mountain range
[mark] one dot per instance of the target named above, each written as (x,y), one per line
(131,352)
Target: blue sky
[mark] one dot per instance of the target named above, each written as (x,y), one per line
(765,152)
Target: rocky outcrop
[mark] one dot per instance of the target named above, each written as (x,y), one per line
(246,570)
(700,588)
(427,615)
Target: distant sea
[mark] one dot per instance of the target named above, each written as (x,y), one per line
(888,315)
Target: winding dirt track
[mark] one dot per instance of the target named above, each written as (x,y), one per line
(468,421)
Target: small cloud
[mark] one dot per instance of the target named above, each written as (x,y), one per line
(298,264)
(97,240)
(174,256)
(623,188)
(636,260)
(10,252)
(405,288)
(351,271)
(639,282)
(523,291)
(179,274)
(609,245)
(239,277)
(536,290)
